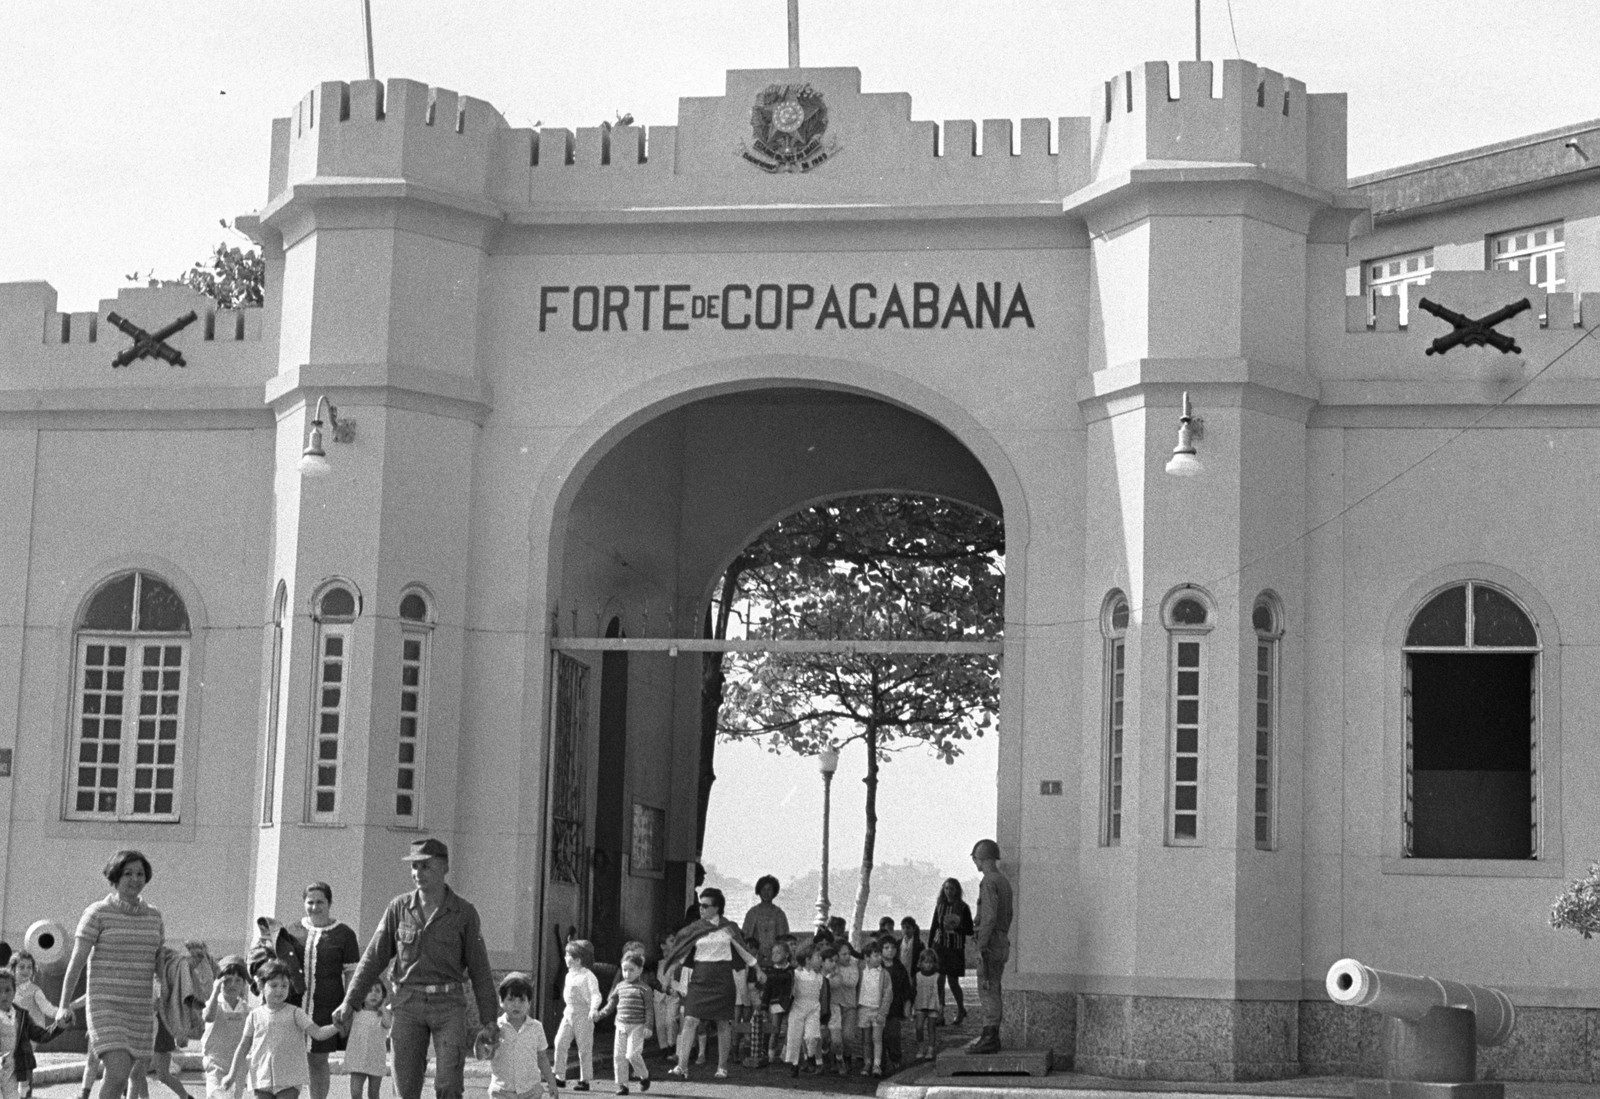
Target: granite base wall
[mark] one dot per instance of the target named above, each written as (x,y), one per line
(1042,1020)
(1168,1038)
(1549,1045)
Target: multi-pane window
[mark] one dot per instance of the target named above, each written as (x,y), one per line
(1399,276)
(1541,251)
(269,748)
(414,630)
(1115,626)
(1471,727)
(132,653)
(335,617)
(1188,619)
(1265,619)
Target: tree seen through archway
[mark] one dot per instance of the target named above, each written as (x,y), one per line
(880,567)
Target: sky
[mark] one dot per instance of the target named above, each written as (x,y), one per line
(136,126)
(766,810)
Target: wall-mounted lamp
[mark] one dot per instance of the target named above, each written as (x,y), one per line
(314,460)
(1184,461)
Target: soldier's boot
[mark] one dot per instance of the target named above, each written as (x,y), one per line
(986,1042)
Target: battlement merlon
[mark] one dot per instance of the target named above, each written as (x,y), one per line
(1261,118)
(399,130)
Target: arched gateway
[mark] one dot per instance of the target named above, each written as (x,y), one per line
(573,373)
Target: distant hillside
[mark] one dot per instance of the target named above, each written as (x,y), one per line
(898,889)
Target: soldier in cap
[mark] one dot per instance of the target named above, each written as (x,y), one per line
(993,941)
(435,941)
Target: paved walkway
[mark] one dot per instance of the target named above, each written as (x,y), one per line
(59,1074)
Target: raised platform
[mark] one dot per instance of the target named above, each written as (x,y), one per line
(1424,1089)
(1008,1062)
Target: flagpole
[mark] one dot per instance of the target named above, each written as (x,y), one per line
(794,34)
(366,26)
(1197,30)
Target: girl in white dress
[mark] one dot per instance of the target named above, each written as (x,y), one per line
(366,1054)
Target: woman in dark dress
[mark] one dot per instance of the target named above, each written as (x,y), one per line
(952,923)
(713,948)
(332,951)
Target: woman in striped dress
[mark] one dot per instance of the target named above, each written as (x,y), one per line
(119,940)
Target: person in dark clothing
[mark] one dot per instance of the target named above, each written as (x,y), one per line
(911,944)
(952,923)
(993,940)
(899,1007)
(777,996)
(24,1033)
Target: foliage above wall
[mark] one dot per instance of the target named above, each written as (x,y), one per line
(231,277)
(1578,907)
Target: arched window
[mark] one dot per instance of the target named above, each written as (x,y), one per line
(1187,616)
(416,626)
(336,608)
(1114,625)
(132,653)
(1471,744)
(1267,619)
(269,737)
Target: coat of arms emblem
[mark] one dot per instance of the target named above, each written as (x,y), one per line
(787,126)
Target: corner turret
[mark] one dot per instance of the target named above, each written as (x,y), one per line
(1262,118)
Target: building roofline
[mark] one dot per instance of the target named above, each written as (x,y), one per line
(1529,163)
(1477,153)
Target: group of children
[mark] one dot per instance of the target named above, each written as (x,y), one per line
(834,1008)
(259,1042)
(822,1007)
(631,1003)
(265,1045)
(866,995)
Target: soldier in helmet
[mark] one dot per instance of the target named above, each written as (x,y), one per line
(993,941)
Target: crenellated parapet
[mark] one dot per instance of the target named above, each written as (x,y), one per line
(1260,118)
(1388,361)
(869,150)
(43,349)
(399,130)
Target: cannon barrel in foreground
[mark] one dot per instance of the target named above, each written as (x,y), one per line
(1406,997)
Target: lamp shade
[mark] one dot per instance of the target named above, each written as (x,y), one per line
(828,760)
(1185,463)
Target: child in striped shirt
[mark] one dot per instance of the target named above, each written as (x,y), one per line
(634,1006)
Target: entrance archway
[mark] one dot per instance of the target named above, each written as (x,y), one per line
(642,525)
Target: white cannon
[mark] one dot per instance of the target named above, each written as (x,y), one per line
(48,942)
(1355,985)
(1431,1031)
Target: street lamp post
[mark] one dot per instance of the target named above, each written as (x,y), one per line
(827,763)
